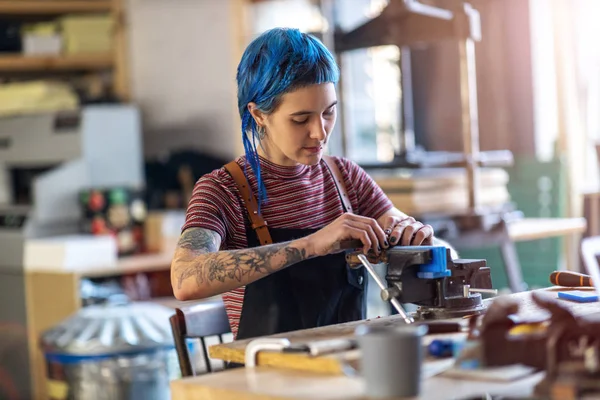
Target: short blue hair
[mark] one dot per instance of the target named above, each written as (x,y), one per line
(277,62)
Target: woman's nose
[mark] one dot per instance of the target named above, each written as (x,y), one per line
(318,131)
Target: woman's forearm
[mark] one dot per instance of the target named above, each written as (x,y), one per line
(197,273)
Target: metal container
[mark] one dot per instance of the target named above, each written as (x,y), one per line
(118,350)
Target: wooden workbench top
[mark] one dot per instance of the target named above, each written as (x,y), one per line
(235,351)
(265,383)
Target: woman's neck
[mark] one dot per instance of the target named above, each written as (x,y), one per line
(275,156)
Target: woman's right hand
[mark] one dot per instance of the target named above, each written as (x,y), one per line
(346,227)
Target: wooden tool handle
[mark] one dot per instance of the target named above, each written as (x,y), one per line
(348,245)
(441,326)
(570,279)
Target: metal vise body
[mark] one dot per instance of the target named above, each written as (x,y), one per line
(428,277)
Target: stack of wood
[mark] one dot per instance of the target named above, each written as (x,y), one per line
(441,190)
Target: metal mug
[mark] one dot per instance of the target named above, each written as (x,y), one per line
(391,359)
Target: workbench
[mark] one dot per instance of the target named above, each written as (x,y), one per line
(284,376)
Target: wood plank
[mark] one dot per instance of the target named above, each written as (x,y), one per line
(264,383)
(235,351)
(21,63)
(46,7)
(51,297)
(541,228)
(121,82)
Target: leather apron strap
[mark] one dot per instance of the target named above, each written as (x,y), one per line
(257,222)
(338,179)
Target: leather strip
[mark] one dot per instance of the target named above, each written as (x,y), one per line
(339,182)
(257,221)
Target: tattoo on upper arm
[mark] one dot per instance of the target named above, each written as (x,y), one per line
(199,240)
(238,264)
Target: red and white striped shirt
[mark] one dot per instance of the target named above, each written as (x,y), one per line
(299,197)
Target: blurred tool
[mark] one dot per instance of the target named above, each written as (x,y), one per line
(435,327)
(444,347)
(320,347)
(570,279)
(566,351)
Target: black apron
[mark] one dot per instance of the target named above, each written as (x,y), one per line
(317,292)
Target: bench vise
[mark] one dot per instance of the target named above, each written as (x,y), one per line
(428,277)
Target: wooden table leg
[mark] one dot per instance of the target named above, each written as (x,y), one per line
(499,235)
(512,266)
(594,220)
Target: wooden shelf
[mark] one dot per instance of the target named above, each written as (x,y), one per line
(132,265)
(21,63)
(41,7)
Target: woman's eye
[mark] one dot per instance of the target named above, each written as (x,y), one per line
(330,111)
(300,122)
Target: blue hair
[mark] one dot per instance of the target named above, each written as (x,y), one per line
(277,62)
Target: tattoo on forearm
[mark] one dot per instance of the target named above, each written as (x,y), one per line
(234,264)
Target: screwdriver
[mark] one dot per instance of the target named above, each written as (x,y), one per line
(407,318)
(570,279)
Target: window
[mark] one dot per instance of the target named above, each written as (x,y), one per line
(371,92)
(371,99)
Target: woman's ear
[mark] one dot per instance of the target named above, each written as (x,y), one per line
(259,116)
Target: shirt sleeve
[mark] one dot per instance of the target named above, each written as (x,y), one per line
(372,201)
(206,208)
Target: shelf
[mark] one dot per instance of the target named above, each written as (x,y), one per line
(155,262)
(132,265)
(21,63)
(41,7)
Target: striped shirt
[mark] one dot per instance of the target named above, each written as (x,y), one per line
(299,197)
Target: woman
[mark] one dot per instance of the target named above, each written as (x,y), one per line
(268,243)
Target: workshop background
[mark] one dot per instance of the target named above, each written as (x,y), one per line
(110,110)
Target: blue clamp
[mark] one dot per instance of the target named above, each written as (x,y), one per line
(437,267)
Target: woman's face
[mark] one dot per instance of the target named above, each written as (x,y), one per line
(299,128)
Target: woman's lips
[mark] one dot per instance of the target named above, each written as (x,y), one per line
(313,149)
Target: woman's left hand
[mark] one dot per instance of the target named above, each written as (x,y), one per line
(407,232)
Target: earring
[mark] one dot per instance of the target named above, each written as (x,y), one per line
(261,132)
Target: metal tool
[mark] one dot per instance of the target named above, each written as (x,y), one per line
(428,277)
(383,287)
(257,345)
(321,347)
(467,290)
